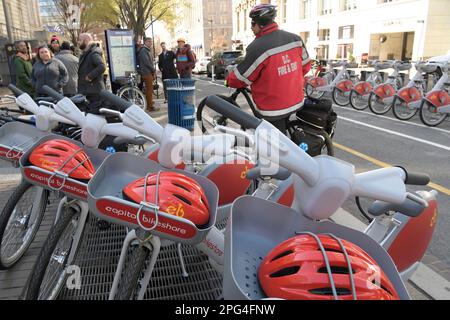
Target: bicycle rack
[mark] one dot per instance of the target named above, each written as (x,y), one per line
(107,202)
(58,180)
(257,226)
(16,138)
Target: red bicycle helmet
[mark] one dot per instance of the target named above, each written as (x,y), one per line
(177,195)
(53,155)
(263,14)
(296,270)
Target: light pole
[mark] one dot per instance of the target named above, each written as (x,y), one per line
(211,48)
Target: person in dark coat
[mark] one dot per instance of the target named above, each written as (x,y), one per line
(146,69)
(90,70)
(23,68)
(71,63)
(48,71)
(166,64)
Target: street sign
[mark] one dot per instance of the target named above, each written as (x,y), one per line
(121,52)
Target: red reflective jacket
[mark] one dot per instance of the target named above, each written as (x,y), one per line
(274,67)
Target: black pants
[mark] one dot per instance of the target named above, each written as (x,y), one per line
(280,124)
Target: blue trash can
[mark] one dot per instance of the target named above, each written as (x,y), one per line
(180,97)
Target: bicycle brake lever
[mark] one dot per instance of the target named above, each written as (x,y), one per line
(111,112)
(417,199)
(237,133)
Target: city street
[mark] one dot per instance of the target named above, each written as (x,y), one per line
(369,142)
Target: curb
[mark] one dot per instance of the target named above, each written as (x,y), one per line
(424,278)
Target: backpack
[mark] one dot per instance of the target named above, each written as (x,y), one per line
(319,114)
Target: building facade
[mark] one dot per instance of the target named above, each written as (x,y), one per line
(207,25)
(361,29)
(24,18)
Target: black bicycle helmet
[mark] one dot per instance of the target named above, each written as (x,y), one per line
(263,14)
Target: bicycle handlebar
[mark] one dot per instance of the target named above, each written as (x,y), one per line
(115,100)
(416,178)
(17,92)
(53,93)
(225,108)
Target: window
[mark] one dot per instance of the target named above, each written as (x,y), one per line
(350,4)
(327,6)
(306,9)
(323,52)
(238,16)
(346,32)
(223,6)
(283,10)
(324,34)
(345,51)
(305,36)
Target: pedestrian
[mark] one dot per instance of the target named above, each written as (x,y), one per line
(185,59)
(274,67)
(90,71)
(71,63)
(166,64)
(146,69)
(48,71)
(23,67)
(54,45)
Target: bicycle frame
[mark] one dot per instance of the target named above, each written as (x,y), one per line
(412,93)
(364,88)
(342,75)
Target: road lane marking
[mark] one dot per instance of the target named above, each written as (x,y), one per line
(437,145)
(382,164)
(395,120)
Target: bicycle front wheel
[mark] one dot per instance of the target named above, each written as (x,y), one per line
(134,95)
(133,270)
(50,271)
(377,105)
(19,222)
(430,116)
(401,109)
(357,101)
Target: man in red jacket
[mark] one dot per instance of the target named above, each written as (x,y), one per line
(274,68)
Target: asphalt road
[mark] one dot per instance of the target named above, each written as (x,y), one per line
(390,141)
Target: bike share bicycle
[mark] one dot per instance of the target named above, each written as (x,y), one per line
(382,96)
(407,100)
(359,96)
(435,106)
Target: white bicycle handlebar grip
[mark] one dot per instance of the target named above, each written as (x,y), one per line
(274,146)
(120,131)
(67,109)
(136,118)
(27,103)
(385,184)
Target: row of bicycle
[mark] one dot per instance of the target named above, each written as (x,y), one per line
(279,241)
(426,93)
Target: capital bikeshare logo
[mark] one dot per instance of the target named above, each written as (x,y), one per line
(76,189)
(128,214)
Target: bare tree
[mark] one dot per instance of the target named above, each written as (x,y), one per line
(139,15)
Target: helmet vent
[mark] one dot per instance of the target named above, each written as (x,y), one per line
(335,270)
(285,272)
(180,186)
(329,291)
(183,199)
(382,287)
(284,254)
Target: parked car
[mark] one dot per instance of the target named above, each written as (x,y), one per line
(201,65)
(220,61)
(233,65)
